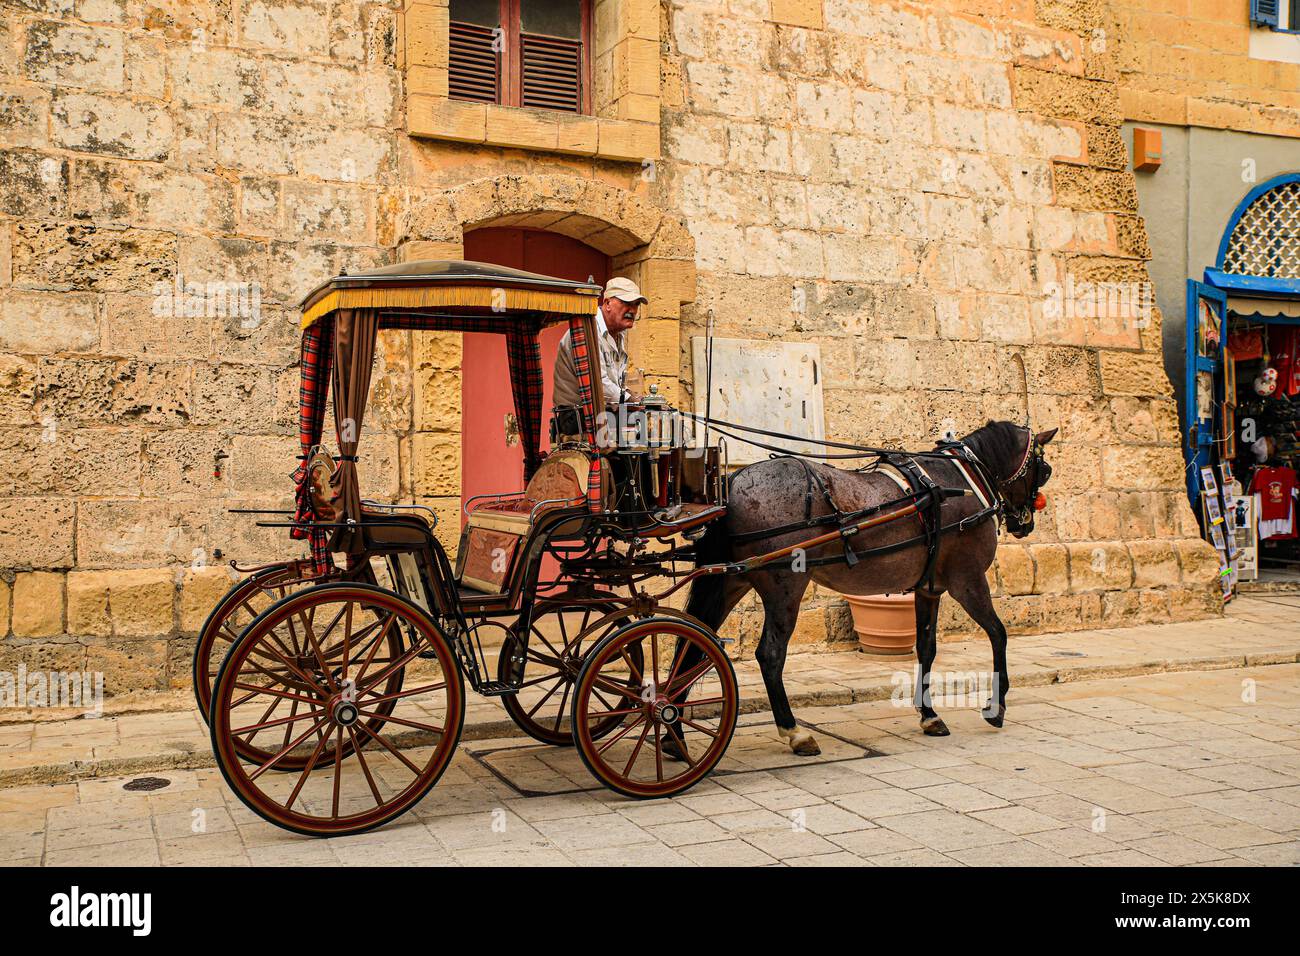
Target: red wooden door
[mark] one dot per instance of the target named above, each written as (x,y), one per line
(488,464)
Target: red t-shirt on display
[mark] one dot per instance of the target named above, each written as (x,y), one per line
(1275,487)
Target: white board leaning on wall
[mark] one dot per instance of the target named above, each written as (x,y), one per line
(765,384)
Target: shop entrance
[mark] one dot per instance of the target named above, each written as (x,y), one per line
(1242,427)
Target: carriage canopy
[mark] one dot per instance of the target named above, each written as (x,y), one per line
(342,317)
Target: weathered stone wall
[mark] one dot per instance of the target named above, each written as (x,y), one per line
(231,141)
(920,171)
(919,175)
(1190,64)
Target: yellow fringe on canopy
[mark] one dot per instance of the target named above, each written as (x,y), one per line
(450,296)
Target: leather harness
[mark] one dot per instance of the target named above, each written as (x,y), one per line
(918,489)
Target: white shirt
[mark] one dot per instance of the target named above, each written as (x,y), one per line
(613,367)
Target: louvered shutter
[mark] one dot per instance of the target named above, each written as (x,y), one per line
(474,68)
(1264,12)
(552,72)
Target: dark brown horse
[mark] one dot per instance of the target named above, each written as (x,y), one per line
(781,493)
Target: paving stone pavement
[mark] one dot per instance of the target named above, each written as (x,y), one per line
(1262,629)
(1190,768)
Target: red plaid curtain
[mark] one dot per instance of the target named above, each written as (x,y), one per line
(317,357)
(586,398)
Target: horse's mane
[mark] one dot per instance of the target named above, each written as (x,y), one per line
(997,444)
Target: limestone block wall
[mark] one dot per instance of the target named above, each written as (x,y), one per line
(914,186)
(1190,64)
(174,176)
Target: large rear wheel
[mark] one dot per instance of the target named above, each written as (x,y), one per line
(244,601)
(677,710)
(370,722)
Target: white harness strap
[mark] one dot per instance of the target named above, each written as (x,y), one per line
(963,467)
(884,468)
(971,479)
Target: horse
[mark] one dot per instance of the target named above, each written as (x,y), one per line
(782,501)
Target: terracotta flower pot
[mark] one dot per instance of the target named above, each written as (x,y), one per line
(885,623)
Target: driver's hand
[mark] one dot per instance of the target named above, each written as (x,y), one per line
(634,384)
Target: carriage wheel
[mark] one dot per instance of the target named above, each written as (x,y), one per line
(677,721)
(235,611)
(559,638)
(371,722)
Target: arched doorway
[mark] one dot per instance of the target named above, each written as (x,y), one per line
(486,402)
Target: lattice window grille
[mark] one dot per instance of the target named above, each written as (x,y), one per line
(1266,240)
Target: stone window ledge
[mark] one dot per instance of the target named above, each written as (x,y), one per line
(514,127)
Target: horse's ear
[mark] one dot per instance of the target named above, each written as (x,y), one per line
(1044,437)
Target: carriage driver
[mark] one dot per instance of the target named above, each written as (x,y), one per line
(615,315)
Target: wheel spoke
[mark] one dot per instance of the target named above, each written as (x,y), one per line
(693,675)
(279,721)
(275,693)
(659,755)
(609,685)
(559,714)
(306,771)
(427,688)
(365,768)
(280,755)
(389,747)
(637,749)
(389,718)
(704,730)
(621,734)
(559,679)
(338,771)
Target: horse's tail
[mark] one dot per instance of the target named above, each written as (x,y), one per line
(706,597)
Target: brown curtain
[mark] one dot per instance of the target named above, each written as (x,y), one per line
(354,354)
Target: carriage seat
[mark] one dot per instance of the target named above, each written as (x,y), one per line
(495,530)
(560,482)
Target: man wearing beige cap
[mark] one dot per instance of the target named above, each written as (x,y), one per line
(614,316)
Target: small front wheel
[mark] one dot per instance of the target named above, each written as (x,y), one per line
(674,691)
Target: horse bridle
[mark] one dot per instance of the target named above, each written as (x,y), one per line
(1024,513)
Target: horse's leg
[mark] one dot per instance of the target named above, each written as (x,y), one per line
(972,593)
(712,600)
(927,640)
(781,598)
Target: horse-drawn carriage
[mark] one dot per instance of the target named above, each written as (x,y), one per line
(334,685)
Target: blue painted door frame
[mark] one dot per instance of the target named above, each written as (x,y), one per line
(1199,438)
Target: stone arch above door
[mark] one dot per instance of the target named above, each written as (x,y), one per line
(644,243)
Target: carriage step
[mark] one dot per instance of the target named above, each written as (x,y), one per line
(496,688)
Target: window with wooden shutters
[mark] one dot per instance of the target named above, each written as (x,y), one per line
(1264,12)
(534,53)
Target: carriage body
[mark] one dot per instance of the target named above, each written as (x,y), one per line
(547,575)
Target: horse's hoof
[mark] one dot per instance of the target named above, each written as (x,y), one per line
(672,749)
(802,743)
(994,716)
(935,727)
(807,748)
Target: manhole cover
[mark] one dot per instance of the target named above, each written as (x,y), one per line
(146,783)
